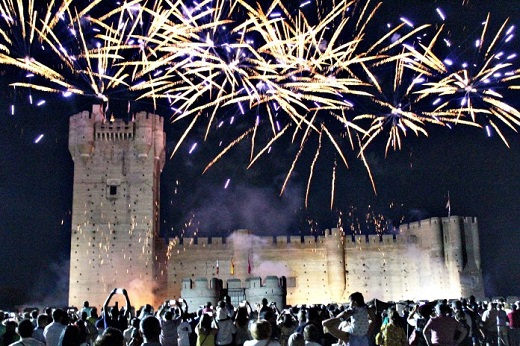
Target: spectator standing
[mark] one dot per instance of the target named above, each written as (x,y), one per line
(150,329)
(25,330)
(52,331)
(225,326)
(442,329)
(261,333)
(41,323)
(391,333)
(514,325)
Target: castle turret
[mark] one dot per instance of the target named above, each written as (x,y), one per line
(143,135)
(454,246)
(200,293)
(81,136)
(272,290)
(335,263)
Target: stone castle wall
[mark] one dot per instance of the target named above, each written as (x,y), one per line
(115,242)
(427,260)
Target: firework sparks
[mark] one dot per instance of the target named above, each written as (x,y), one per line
(475,93)
(287,73)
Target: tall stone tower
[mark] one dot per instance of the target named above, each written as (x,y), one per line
(115,213)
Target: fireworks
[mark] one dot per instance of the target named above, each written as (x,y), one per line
(475,89)
(312,75)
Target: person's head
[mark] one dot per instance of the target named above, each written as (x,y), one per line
(267,315)
(110,337)
(264,302)
(57,315)
(168,315)
(394,317)
(150,329)
(356,299)
(312,314)
(25,328)
(42,321)
(228,300)
(296,339)
(514,307)
(287,320)
(425,310)
(84,316)
(134,322)
(34,314)
(242,317)
(114,312)
(460,317)
(456,305)
(442,309)
(261,330)
(2,315)
(311,333)
(86,304)
(222,313)
(70,336)
(10,327)
(93,313)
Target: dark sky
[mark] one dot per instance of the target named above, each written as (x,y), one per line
(481,174)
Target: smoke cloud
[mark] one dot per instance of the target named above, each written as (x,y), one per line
(258,209)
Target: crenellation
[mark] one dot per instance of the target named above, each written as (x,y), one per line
(374,238)
(234,283)
(389,239)
(295,239)
(281,240)
(309,239)
(217,241)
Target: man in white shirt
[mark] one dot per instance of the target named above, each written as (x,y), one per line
(53,331)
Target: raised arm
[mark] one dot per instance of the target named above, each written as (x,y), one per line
(107,301)
(163,306)
(128,307)
(185,303)
(331,326)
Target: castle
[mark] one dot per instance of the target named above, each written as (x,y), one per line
(115,240)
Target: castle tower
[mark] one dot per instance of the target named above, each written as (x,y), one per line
(115,212)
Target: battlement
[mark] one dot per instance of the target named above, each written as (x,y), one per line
(331,235)
(114,131)
(434,221)
(144,117)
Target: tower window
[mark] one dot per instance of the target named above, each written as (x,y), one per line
(112,190)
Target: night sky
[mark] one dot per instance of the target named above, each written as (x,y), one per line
(480,173)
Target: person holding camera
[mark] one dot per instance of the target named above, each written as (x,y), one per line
(112,316)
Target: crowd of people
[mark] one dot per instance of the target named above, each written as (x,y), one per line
(357,323)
